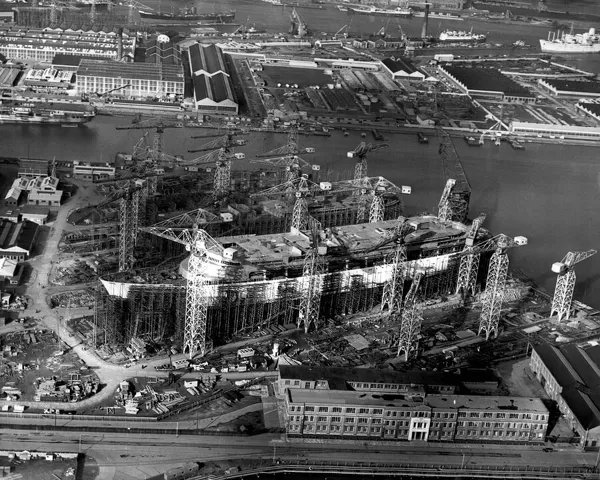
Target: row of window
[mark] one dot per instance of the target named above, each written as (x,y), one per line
(559,133)
(502,425)
(364,411)
(524,416)
(497,433)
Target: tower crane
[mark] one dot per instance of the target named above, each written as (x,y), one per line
(312,272)
(360,153)
(444,206)
(496,280)
(565,283)
(156,152)
(223,141)
(131,203)
(223,159)
(132,5)
(290,148)
(469,262)
(411,318)
(203,250)
(302,188)
(460,195)
(292,165)
(393,289)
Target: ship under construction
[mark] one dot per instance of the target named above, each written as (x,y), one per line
(330,249)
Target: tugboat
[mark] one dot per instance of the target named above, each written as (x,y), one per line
(422,138)
(472,141)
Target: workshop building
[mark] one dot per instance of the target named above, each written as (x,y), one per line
(571,377)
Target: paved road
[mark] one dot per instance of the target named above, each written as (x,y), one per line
(121,455)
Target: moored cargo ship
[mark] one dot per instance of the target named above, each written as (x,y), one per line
(461,36)
(587,42)
(372,10)
(190,15)
(61,113)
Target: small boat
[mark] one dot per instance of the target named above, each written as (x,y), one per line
(341,8)
(422,138)
(472,141)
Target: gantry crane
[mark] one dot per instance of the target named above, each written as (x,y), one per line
(312,272)
(460,195)
(360,153)
(203,250)
(496,280)
(469,261)
(565,283)
(411,318)
(393,289)
(156,152)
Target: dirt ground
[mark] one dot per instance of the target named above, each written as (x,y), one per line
(41,469)
(519,379)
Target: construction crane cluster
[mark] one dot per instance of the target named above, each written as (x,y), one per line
(403,308)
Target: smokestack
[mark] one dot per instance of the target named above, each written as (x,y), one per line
(425,22)
(120,44)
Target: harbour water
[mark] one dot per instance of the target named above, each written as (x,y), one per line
(548,193)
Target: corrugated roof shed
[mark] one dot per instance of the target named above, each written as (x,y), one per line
(20,234)
(488,79)
(399,64)
(574,86)
(141,71)
(217,88)
(206,58)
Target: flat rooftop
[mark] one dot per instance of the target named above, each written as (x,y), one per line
(451,402)
(339,376)
(143,71)
(265,248)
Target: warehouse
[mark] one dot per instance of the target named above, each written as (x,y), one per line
(134,80)
(487,83)
(44,44)
(8,76)
(571,377)
(213,90)
(402,69)
(570,88)
(590,108)
(17,239)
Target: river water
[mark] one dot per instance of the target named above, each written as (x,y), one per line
(548,193)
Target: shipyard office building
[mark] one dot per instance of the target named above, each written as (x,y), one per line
(320,403)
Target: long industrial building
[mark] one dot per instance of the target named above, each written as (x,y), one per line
(44,44)
(137,80)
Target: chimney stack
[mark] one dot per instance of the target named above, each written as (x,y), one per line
(120,44)
(425,21)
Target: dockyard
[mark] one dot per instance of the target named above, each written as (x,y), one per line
(254,222)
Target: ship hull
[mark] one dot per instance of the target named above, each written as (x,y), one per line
(224,17)
(15,120)
(555,47)
(381,13)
